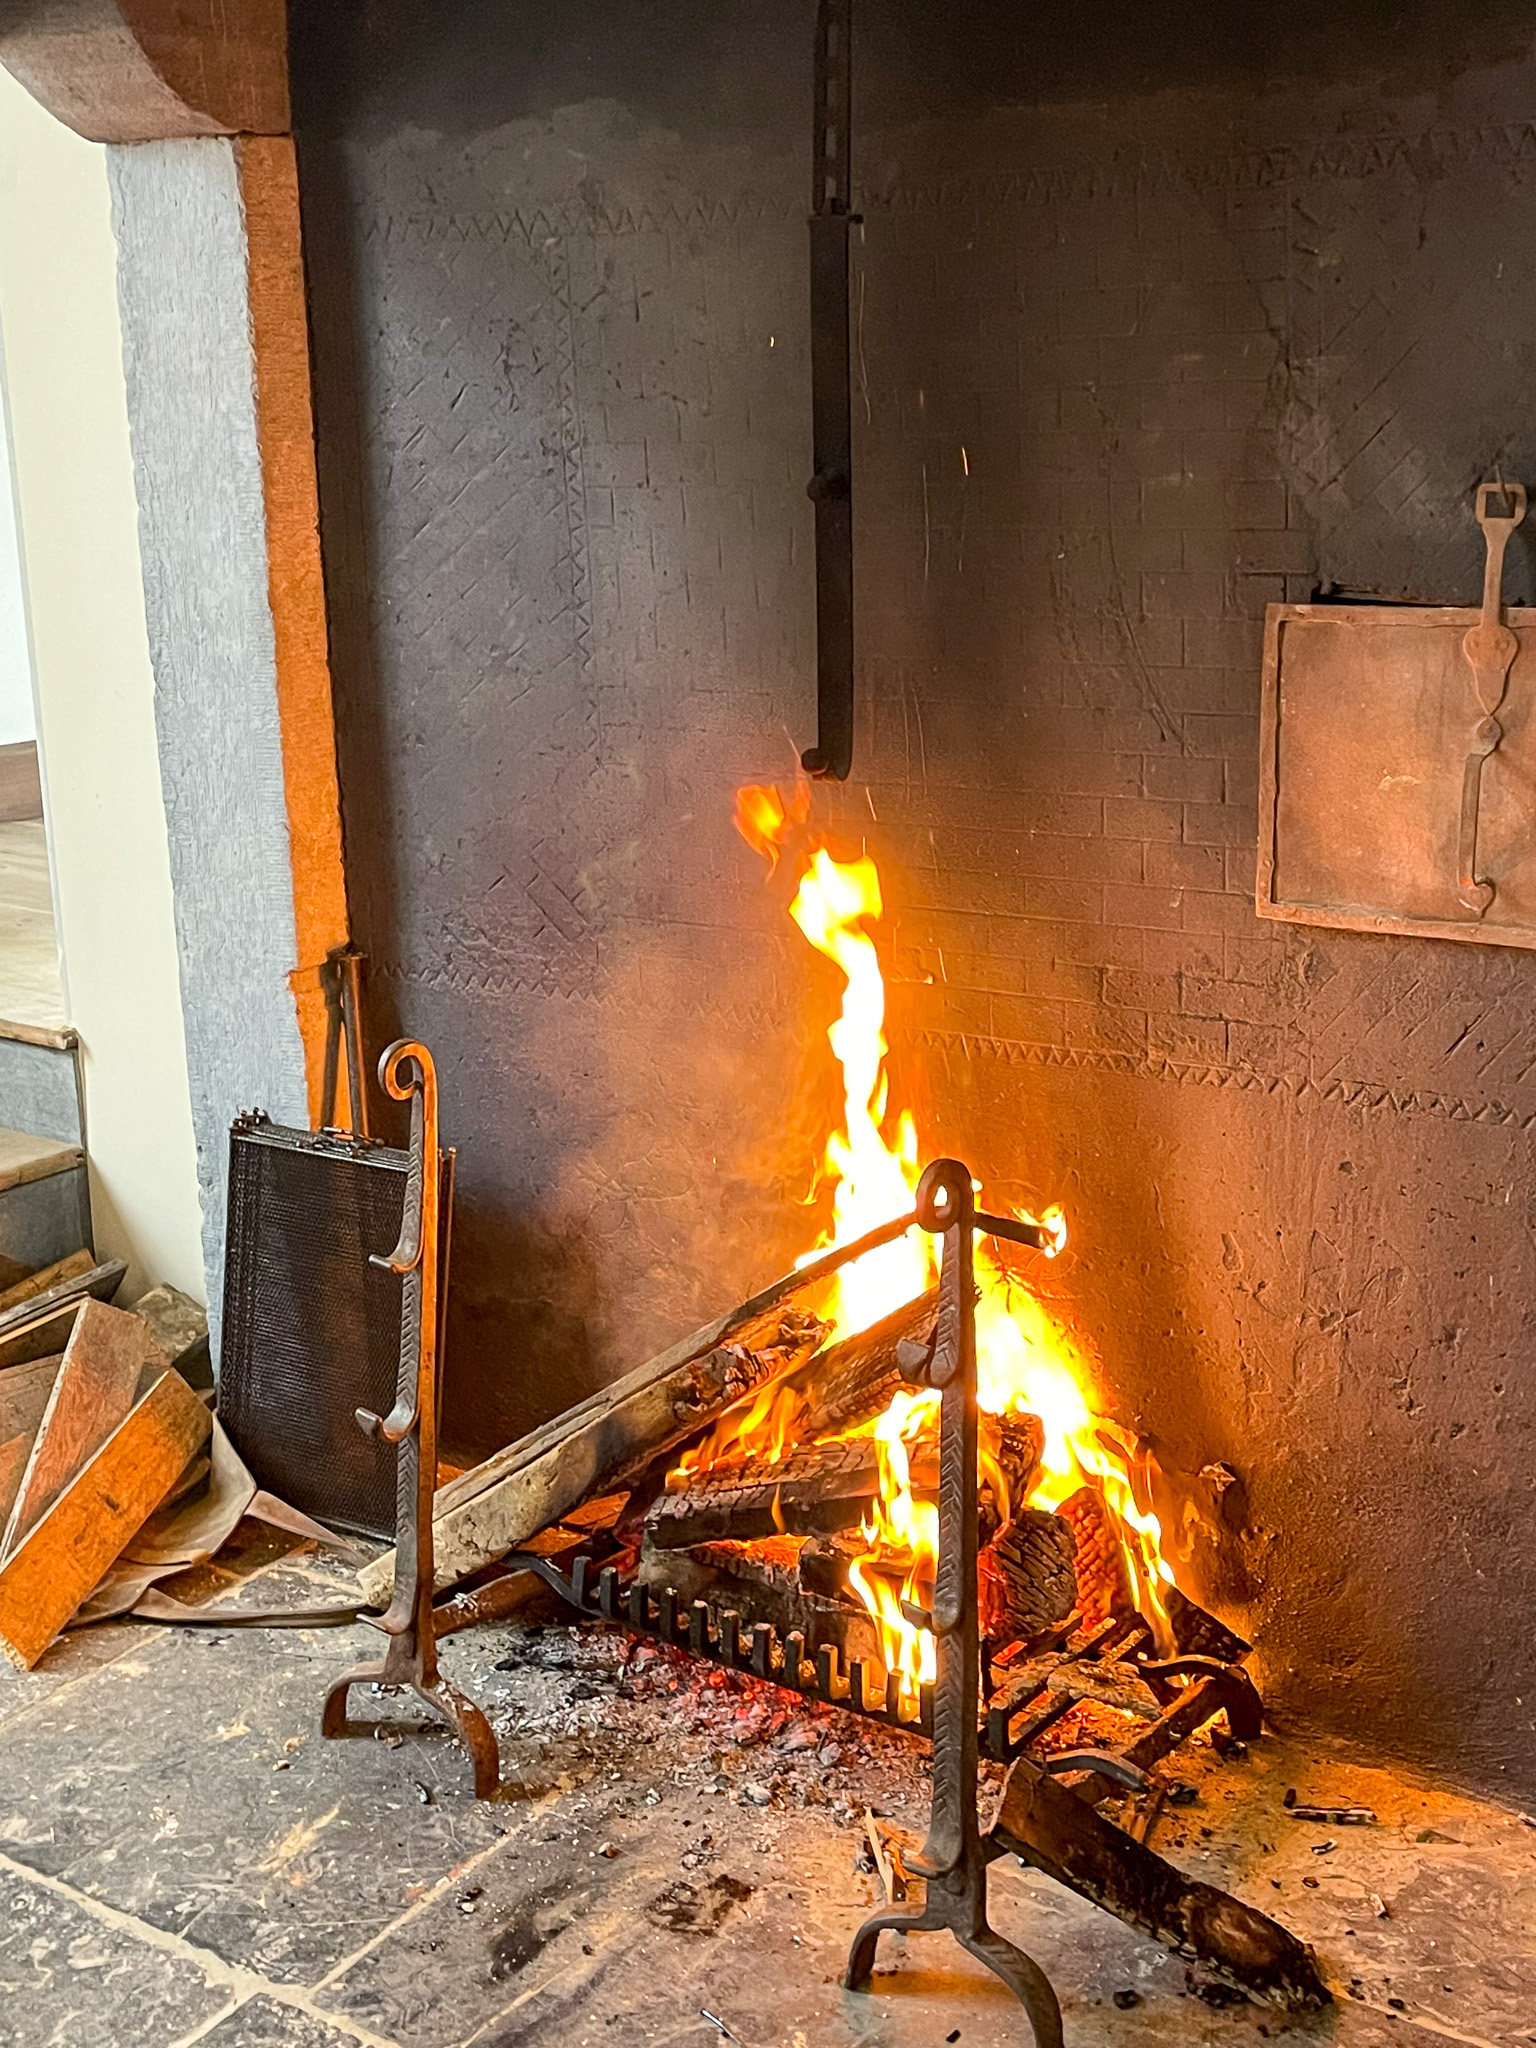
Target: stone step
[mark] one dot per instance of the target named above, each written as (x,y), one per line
(40,1082)
(45,1203)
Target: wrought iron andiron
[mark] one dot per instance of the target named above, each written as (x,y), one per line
(411,1656)
(955,1856)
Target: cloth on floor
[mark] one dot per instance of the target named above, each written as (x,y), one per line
(192,1527)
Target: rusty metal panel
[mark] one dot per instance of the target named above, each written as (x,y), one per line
(1369,714)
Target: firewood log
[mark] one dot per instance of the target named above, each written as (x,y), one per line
(1026,1577)
(1103,1576)
(851,1382)
(814,1490)
(610,1437)
(1010,1447)
(1199,1634)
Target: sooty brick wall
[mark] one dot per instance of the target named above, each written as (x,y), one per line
(1157,318)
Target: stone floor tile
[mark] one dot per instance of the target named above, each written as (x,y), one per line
(66,1978)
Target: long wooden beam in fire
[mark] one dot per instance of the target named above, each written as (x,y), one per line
(500,1504)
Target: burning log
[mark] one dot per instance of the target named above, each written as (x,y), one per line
(1103,1576)
(853,1381)
(1198,1634)
(1014,1443)
(815,1490)
(824,1563)
(1027,1577)
(608,1438)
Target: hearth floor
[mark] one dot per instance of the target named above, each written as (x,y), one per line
(182,1859)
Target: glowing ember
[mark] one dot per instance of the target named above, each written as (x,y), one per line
(1025,1363)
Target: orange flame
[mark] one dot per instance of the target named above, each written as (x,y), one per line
(1025,1362)
(765,817)
(872,1179)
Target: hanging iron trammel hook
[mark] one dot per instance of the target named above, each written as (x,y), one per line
(831,486)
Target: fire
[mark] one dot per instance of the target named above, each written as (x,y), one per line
(903,1531)
(1025,1361)
(872,1180)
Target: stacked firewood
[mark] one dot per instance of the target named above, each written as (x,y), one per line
(98,1427)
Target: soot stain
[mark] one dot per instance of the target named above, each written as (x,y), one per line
(683,1909)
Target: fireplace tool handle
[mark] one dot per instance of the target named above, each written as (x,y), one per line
(410,1659)
(954,1857)
(1490,648)
(342,980)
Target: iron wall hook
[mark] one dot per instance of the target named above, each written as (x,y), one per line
(831,486)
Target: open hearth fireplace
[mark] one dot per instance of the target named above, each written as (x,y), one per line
(881,1484)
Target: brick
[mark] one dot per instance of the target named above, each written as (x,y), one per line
(980,972)
(1105,945)
(1224,643)
(1159,642)
(1152,909)
(1028,1020)
(1182,500)
(1207,689)
(1090,774)
(1241,779)
(1104,860)
(1253,1002)
(1292,553)
(1076,816)
(1142,819)
(1241,869)
(1191,1038)
(1184,594)
(1203,912)
(1253,593)
(1222,734)
(937,1007)
(1219,825)
(1066,979)
(1183,778)
(1130,989)
(1265,1049)
(1071,901)
(1183,953)
(1217,455)
(1256,956)
(1099,1030)
(1139,548)
(1185,867)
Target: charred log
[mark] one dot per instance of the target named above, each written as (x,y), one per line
(1058,1833)
(1198,1634)
(853,1381)
(1027,1577)
(824,1562)
(816,1490)
(605,1440)
(1010,1448)
(1103,1576)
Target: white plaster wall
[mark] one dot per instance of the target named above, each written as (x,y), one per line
(16,717)
(95,689)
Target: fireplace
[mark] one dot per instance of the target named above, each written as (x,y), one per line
(894,1493)
(1130,311)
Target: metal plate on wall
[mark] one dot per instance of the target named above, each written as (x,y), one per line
(1368,715)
